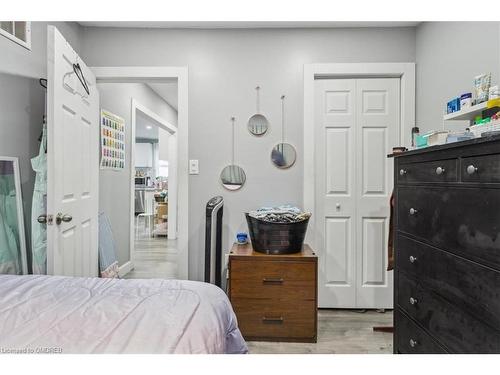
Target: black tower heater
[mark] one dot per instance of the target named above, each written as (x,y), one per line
(213,241)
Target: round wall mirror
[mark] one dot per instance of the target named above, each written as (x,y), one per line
(283,155)
(258,124)
(233,177)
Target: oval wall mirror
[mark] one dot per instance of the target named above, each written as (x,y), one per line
(258,123)
(233,177)
(283,155)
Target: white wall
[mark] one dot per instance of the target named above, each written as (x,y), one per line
(18,60)
(114,186)
(224,68)
(449,55)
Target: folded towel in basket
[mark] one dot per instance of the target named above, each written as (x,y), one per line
(280,214)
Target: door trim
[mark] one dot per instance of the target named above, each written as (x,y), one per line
(144,74)
(404,71)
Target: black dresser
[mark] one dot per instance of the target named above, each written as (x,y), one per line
(447,248)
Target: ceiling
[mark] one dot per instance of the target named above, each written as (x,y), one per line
(145,127)
(244,24)
(168,91)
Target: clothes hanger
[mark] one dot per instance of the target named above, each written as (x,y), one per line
(78,71)
(43,83)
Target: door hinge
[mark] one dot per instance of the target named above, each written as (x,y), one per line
(50,219)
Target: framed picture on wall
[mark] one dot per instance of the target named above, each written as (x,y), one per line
(112,141)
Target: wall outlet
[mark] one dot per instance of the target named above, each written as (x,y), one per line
(194,166)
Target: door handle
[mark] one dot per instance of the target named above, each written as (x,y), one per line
(42,219)
(60,218)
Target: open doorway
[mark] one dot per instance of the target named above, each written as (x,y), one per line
(154,251)
(141,200)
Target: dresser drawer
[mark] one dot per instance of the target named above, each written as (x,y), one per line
(258,318)
(411,339)
(268,288)
(430,171)
(471,286)
(464,221)
(456,328)
(485,168)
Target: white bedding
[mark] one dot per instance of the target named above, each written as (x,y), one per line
(91,315)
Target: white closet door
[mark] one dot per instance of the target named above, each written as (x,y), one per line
(335,123)
(73,163)
(377,131)
(356,124)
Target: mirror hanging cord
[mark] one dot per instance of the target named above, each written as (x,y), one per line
(258,98)
(282,118)
(232,151)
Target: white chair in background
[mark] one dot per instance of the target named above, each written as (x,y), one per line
(148,214)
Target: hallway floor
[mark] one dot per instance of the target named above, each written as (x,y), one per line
(339,332)
(154,257)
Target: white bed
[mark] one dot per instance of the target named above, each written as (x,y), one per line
(91,315)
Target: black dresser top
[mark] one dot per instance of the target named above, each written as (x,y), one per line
(446,146)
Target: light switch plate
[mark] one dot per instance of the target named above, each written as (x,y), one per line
(194,167)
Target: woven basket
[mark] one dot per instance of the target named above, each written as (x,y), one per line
(276,238)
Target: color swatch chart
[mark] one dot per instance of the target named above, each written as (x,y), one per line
(112,141)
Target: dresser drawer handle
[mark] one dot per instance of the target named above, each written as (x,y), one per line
(413,211)
(266,280)
(413,343)
(413,301)
(413,259)
(402,172)
(471,169)
(440,170)
(277,320)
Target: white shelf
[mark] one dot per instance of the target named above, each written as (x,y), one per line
(467,113)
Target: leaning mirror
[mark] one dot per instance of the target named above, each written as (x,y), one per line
(283,155)
(12,239)
(233,177)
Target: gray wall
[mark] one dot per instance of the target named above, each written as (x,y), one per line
(21,115)
(114,186)
(224,68)
(449,55)
(18,60)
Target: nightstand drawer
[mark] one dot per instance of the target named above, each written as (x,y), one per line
(485,168)
(273,271)
(430,171)
(274,289)
(280,320)
(459,330)
(412,339)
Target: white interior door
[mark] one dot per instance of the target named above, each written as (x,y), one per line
(73,163)
(172,186)
(356,124)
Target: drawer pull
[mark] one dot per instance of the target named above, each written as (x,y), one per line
(413,343)
(440,170)
(413,301)
(277,320)
(413,211)
(413,259)
(471,169)
(266,280)
(402,172)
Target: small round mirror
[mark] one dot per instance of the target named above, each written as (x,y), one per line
(233,177)
(258,124)
(283,155)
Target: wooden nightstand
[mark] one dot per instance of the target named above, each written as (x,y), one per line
(274,296)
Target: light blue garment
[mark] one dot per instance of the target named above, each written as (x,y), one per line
(10,254)
(39,207)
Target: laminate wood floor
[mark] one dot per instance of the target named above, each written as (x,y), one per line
(339,332)
(154,257)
